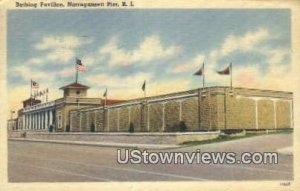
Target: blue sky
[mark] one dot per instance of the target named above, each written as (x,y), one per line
(122,48)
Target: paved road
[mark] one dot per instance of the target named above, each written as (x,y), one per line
(48,162)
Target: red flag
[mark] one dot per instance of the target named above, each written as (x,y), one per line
(200,71)
(226,71)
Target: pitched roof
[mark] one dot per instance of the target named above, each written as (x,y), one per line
(75,86)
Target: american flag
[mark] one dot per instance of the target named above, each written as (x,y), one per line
(34,85)
(80,66)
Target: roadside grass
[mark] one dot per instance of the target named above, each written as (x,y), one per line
(233,136)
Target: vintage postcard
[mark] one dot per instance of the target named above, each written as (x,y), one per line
(149,95)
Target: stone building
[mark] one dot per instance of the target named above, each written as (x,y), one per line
(201,109)
(54,115)
(208,108)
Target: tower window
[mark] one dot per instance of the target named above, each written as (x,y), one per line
(78,92)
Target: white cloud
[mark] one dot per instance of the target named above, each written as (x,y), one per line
(58,49)
(150,49)
(116,81)
(54,42)
(275,56)
(67,72)
(275,73)
(192,65)
(27,73)
(245,42)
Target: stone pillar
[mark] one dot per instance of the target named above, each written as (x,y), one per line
(46,120)
(28,120)
(50,117)
(34,121)
(256,114)
(87,121)
(163,117)
(39,124)
(291,113)
(148,117)
(118,125)
(80,116)
(42,120)
(25,121)
(275,114)
(71,119)
(129,115)
(180,110)
(95,120)
(108,120)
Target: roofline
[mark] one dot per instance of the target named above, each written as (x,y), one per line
(85,87)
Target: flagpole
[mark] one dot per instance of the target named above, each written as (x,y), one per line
(30,92)
(231,75)
(203,81)
(76,71)
(145,90)
(105,98)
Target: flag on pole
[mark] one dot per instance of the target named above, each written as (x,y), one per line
(34,85)
(105,93)
(144,86)
(47,91)
(200,72)
(80,67)
(226,71)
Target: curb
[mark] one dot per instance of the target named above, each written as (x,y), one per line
(100,144)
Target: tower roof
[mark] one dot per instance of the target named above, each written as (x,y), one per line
(75,86)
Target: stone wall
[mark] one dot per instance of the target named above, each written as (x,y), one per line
(200,109)
(131,138)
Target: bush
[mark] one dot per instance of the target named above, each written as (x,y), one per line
(182,126)
(23,135)
(92,127)
(68,128)
(131,128)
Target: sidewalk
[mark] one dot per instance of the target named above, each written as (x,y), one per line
(286,151)
(101,144)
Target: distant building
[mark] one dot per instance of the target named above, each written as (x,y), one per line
(54,115)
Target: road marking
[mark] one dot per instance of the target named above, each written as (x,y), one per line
(61,171)
(122,169)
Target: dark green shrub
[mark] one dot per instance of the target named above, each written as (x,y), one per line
(131,128)
(182,126)
(92,127)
